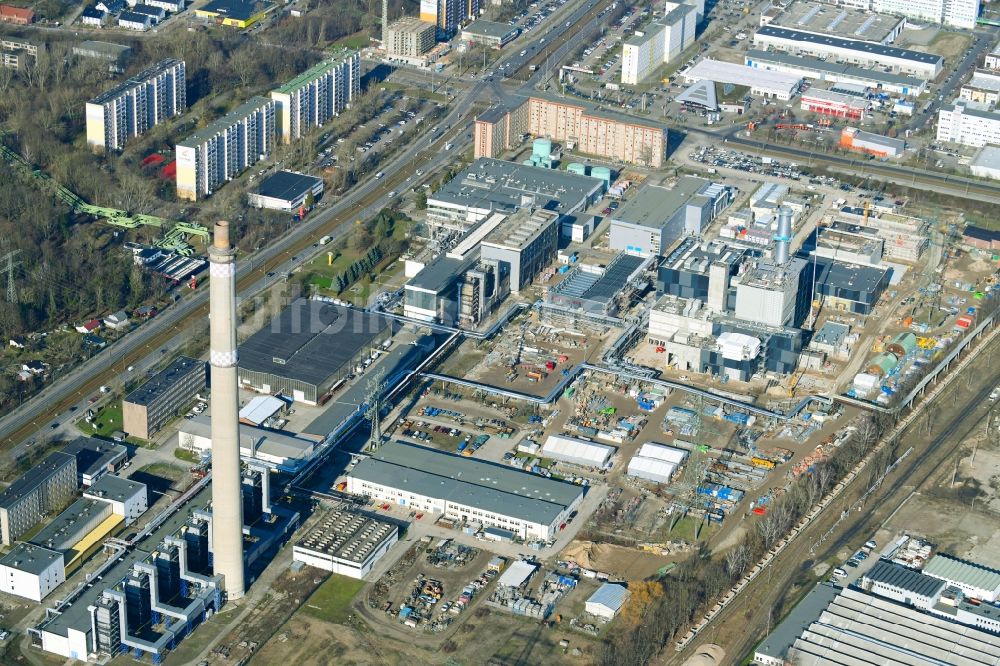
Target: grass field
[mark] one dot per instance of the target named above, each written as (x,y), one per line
(358,40)
(186,455)
(331,602)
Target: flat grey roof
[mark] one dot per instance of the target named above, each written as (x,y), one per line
(905,579)
(94,455)
(653,205)
(851,45)
(491,184)
(863,279)
(490,29)
(489,486)
(30,558)
(831,333)
(268,442)
(310,341)
(34,477)
(801,616)
(987,157)
(837,21)
(972,109)
(348,536)
(73,524)
(160,383)
(104,49)
(808,62)
(401,359)
(116,488)
(438,274)
(287,185)
(252,105)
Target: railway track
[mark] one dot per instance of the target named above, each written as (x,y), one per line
(772,591)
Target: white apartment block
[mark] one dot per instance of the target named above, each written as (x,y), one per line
(317,95)
(131,108)
(960,123)
(209,158)
(954,13)
(662,41)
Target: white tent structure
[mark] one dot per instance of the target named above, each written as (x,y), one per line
(577,451)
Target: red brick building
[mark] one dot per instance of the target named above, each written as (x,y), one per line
(16,15)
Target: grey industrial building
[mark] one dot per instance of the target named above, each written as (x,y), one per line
(465,490)
(848,287)
(146,409)
(490,185)
(308,348)
(696,269)
(658,215)
(596,290)
(95,458)
(523,245)
(42,489)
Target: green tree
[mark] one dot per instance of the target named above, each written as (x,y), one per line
(421,199)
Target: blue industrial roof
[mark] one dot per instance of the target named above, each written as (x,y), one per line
(611,595)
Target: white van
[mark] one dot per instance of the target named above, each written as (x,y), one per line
(379,175)
(839,573)
(324,240)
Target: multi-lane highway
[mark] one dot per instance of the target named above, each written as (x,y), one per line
(267,266)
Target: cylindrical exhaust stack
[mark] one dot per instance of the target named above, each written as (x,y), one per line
(227,505)
(783,236)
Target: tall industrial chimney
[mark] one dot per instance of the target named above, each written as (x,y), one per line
(227,505)
(783,236)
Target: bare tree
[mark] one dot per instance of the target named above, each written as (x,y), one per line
(737,559)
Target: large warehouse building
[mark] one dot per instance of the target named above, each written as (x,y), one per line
(822,70)
(465,490)
(310,347)
(850,51)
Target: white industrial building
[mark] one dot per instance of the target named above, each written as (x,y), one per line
(986,163)
(517,574)
(346,543)
(850,51)
(31,571)
(826,70)
(578,451)
(967,124)
(954,13)
(465,490)
(274,449)
(983,87)
(765,83)
(607,601)
(975,580)
(658,43)
(261,409)
(902,584)
(656,462)
(127,498)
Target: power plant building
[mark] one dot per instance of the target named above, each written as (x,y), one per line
(284,452)
(311,346)
(465,490)
(317,95)
(346,543)
(214,155)
(146,409)
(41,490)
(657,215)
(491,186)
(134,106)
(95,458)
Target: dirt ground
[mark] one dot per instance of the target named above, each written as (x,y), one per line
(960,518)
(619,562)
